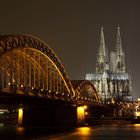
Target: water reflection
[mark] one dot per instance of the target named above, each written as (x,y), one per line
(20,130)
(84,130)
(103,132)
(137,125)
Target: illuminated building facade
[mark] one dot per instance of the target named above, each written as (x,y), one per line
(111,80)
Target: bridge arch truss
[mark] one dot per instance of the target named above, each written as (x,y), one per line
(29,66)
(85,92)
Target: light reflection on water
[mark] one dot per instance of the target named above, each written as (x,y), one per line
(97,132)
(20,130)
(137,125)
(84,130)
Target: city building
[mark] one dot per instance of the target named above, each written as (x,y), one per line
(111,79)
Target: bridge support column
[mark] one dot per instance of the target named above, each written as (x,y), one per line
(81,115)
(20,116)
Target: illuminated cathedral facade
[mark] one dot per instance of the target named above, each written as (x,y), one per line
(111,79)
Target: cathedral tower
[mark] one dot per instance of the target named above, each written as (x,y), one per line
(120,56)
(102,56)
(112,81)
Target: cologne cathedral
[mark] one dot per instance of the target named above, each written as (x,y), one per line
(111,79)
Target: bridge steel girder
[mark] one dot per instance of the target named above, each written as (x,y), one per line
(25,58)
(85,92)
(22,45)
(33,78)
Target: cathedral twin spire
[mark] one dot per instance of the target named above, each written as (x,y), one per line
(119,43)
(111,80)
(102,58)
(102,50)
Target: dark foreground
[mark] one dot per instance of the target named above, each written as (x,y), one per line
(11,132)
(98,132)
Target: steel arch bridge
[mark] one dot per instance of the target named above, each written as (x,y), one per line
(85,91)
(28,66)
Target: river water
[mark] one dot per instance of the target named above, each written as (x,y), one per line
(102,132)
(98,132)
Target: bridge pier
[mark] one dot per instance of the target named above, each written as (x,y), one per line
(54,115)
(89,114)
(20,117)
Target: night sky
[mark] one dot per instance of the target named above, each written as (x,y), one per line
(72,29)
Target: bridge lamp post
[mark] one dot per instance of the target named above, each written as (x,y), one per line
(85,110)
(9,84)
(85,107)
(42,89)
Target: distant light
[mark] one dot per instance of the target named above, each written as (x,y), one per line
(13,80)
(1,124)
(136,106)
(85,106)
(2,111)
(113,101)
(137,114)
(86,113)
(128,105)
(9,83)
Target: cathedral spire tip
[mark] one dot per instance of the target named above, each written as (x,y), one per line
(118,28)
(102,28)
